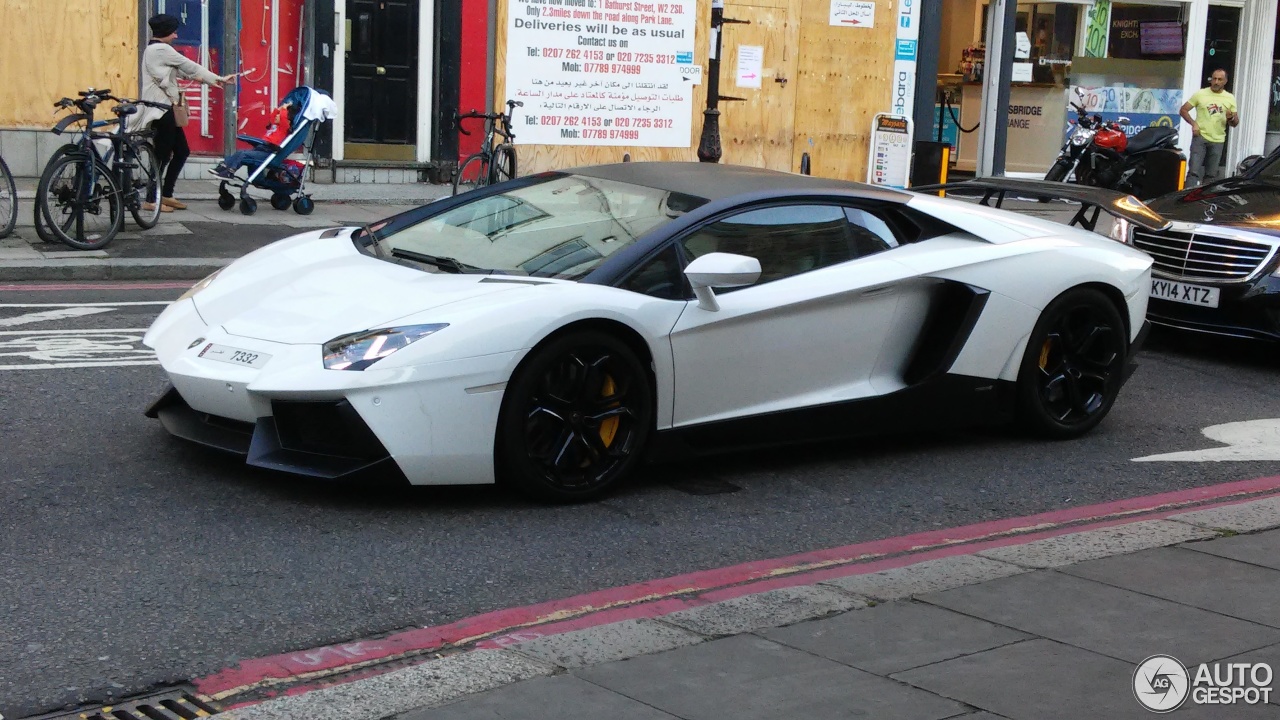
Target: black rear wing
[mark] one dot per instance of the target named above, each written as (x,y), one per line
(1093,201)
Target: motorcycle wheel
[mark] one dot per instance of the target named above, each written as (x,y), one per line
(1059,171)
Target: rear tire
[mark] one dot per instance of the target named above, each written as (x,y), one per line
(280,201)
(575,418)
(304,205)
(8,200)
(85,212)
(471,174)
(1074,365)
(503,166)
(39,212)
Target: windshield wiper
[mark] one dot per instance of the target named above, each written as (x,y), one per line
(447,264)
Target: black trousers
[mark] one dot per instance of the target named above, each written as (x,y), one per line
(171,150)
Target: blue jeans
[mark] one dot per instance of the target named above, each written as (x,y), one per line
(253,158)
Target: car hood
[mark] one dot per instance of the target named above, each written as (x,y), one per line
(1237,202)
(311,289)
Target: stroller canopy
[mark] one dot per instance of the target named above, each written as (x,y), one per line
(307,103)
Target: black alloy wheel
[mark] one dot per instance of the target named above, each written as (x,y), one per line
(575,418)
(1074,365)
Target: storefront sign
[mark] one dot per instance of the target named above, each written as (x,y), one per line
(851,13)
(601,72)
(904,59)
(1127,28)
(890,164)
(1097,29)
(1144,107)
(1036,115)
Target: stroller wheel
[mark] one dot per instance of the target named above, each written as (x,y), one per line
(304,205)
(226,200)
(248,206)
(280,201)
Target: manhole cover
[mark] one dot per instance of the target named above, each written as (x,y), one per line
(178,704)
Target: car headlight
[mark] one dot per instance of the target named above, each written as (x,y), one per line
(200,285)
(358,351)
(1122,231)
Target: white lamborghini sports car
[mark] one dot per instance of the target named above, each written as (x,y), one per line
(553,331)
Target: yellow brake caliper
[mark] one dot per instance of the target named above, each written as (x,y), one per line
(1044,353)
(609,428)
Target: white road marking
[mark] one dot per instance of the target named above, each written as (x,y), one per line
(1251,440)
(51,315)
(51,349)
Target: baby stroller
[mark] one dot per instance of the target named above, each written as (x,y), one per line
(267,161)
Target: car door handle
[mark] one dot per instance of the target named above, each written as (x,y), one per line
(879,290)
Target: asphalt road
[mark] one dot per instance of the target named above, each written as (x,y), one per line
(129,559)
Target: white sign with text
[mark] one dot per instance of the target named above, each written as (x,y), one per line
(601,72)
(853,13)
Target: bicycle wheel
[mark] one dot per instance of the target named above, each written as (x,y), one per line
(472,174)
(145,181)
(40,215)
(8,200)
(503,166)
(83,202)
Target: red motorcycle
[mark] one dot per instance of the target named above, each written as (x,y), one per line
(1100,154)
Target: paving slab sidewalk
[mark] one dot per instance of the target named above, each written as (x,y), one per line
(1037,631)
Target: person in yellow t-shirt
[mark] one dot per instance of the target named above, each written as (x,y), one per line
(1215,110)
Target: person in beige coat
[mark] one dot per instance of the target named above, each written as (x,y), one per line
(161,67)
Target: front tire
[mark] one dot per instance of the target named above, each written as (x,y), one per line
(146,183)
(1074,365)
(575,418)
(471,174)
(1059,171)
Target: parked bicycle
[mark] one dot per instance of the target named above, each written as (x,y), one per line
(492,164)
(87,185)
(8,200)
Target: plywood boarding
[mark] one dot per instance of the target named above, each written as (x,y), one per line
(845,78)
(760,130)
(536,158)
(52,49)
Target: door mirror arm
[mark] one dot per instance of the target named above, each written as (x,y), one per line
(720,270)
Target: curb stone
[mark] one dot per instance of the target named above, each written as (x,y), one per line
(441,682)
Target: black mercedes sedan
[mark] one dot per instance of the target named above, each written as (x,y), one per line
(1216,267)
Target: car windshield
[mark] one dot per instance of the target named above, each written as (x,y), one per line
(562,228)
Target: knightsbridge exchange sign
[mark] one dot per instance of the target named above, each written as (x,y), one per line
(601,72)
(1162,684)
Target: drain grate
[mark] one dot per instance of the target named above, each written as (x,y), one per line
(175,704)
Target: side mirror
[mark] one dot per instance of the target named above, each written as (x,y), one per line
(1247,163)
(720,270)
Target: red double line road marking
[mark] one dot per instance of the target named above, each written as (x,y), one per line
(660,597)
(59,287)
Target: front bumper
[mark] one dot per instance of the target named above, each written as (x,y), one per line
(1245,310)
(318,439)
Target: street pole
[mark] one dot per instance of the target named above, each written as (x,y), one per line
(709,148)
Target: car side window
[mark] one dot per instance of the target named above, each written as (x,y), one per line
(870,233)
(787,240)
(660,276)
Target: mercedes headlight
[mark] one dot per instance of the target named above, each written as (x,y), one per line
(1122,231)
(358,351)
(200,285)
